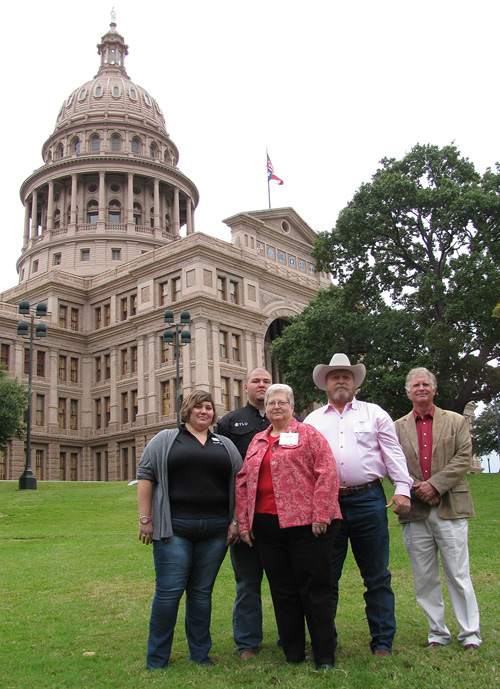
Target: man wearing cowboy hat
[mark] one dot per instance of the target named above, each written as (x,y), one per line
(364,442)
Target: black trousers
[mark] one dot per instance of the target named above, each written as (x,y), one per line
(298,566)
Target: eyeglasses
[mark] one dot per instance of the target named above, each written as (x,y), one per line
(278,403)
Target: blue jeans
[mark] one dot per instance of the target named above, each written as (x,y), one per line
(189,561)
(364,523)
(247,610)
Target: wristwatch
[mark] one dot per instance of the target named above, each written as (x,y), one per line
(235,522)
(145,519)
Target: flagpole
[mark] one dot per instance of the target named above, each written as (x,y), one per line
(268,187)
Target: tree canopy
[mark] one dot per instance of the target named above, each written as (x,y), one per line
(423,237)
(13,403)
(486,431)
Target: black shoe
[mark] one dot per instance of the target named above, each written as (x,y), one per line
(325,666)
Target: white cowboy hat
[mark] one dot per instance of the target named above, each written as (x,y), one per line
(339,361)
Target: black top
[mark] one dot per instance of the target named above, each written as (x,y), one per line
(241,425)
(198,477)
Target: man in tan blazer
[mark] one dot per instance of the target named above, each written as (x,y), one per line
(438,448)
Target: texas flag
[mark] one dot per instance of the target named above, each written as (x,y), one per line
(270,171)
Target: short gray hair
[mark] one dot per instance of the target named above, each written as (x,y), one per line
(279,387)
(421,371)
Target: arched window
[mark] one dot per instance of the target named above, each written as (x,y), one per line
(76,145)
(114,212)
(57,219)
(116,91)
(92,212)
(95,144)
(60,151)
(135,146)
(152,151)
(115,144)
(98,91)
(152,217)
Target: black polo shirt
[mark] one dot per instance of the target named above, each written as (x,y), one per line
(241,425)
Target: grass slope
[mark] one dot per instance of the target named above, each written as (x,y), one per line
(76,590)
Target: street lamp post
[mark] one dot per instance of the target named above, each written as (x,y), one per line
(177,340)
(27,480)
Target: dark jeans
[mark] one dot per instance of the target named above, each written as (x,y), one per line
(298,568)
(189,561)
(247,611)
(365,525)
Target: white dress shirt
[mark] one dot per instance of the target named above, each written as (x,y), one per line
(365,445)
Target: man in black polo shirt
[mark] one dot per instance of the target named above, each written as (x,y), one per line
(240,426)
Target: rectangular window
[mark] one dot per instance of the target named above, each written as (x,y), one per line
(73,415)
(124,357)
(26,361)
(221,288)
(39,463)
(62,368)
(98,318)
(222,344)
(123,309)
(165,351)
(133,304)
(5,356)
(165,398)
(73,376)
(237,393)
(73,466)
(124,407)
(107,411)
(62,466)
(98,369)
(107,314)
(85,253)
(124,475)
(235,347)
(115,254)
(35,266)
(98,414)
(133,359)
(107,366)
(233,292)
(3,466)
(176,289)
(61,412)
(225,393)
(63,316)
(40,410)
(40,364)
(74,319)
(135,405)
(56,260)
(164,293)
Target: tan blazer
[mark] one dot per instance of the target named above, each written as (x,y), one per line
(451,458)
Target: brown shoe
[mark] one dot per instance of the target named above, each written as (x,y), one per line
(382,653)
(434,644)
(247,655)
(471,647)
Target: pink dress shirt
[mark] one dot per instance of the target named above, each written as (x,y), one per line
(364,442)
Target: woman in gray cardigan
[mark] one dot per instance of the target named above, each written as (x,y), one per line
(186,509)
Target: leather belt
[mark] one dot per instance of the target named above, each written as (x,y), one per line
(352,490)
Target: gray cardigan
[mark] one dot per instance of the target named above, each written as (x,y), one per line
(154,467)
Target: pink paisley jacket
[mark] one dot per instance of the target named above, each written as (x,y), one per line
(305,479)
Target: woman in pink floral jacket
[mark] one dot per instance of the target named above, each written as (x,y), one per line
(286,497)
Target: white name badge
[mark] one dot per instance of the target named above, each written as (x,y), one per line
(363,426)
(289,438)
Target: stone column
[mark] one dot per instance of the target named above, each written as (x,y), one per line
(177,219)
(50,207)
(130,197)
(102,196)
(74,191)
(189,217)
(27,210)
(156,203)
(34,213)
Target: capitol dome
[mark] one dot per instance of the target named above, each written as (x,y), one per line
(110,180)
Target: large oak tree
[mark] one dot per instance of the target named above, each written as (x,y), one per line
(13,403)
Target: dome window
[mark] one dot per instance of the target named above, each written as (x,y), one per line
(147,100)
(116,91)
(82,94)
(95,144)
(137,213)
(114,212)
(69,101)
(133,94)
(57,219)
(76,146)
(92,212)
(60,151)
(152,151)
(137,191)
(92,188)
(115,144)
(98,91)
(135,146)
(115,187)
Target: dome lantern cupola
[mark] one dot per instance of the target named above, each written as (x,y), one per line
(112,50)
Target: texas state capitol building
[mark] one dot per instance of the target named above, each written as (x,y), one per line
(109,243)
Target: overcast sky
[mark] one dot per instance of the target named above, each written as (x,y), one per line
(329,87)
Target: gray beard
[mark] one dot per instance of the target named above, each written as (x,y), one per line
(342,395)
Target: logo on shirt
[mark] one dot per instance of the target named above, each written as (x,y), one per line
(241,423)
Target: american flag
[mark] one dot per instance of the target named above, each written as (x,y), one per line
(270,171)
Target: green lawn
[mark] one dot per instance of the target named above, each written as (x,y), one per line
(76,590)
